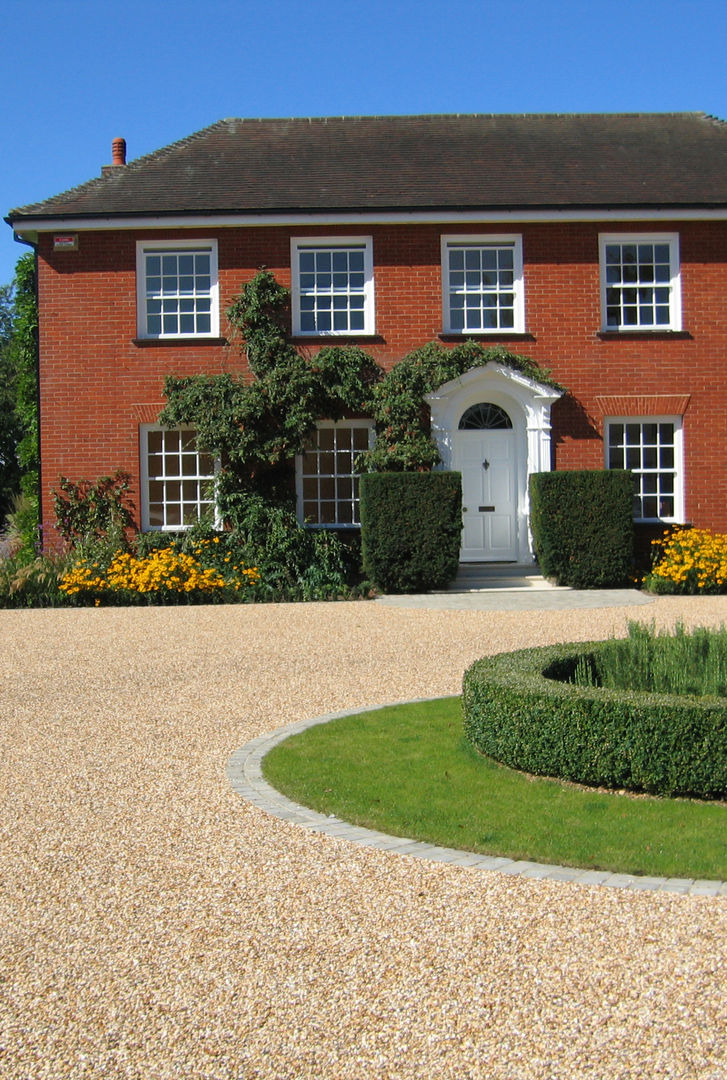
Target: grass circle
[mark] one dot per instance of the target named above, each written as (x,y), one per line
(407,770)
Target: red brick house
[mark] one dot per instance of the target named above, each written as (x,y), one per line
(595,244)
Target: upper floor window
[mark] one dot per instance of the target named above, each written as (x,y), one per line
(177,293)
(483,284)
(652,449)
(177,479)
(640,287)
(333,286)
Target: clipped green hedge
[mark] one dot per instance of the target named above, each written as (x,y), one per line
(411,528)
(582,526)
(518,711)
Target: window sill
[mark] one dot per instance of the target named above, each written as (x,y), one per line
(660,335)
(338,528)
(167,342)
(373,338)
(485,335)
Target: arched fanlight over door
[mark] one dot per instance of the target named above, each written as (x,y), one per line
(484,417)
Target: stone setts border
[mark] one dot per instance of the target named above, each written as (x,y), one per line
(244,772)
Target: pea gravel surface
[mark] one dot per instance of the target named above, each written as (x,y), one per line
(154,925)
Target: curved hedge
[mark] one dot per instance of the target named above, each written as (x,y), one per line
(517,712)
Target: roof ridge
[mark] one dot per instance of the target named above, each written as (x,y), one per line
(448,116)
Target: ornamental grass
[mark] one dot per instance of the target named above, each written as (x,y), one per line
(689,561)
(164,575)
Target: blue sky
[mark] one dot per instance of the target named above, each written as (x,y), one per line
(76,73)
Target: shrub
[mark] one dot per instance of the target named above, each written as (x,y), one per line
(682,662)
(582,526)
(689,561)
(90,509)
(411,527)
(521,710)
(28,583)
(21,538)
(295,563)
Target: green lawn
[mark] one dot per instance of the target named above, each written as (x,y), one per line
(408,771)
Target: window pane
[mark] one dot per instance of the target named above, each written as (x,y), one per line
(329,490)
(184,280)
(629,272)
(649,453)
(326,438)
(173,501)
(481,280)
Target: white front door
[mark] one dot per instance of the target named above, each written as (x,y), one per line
(486,459)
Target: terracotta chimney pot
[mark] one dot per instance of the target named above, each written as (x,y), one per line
(118,152)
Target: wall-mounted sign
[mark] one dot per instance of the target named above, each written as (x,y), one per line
(65,242)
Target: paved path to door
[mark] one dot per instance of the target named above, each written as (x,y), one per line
(156,926)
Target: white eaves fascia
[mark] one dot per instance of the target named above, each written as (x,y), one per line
(114,222)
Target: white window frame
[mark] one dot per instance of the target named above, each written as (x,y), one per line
(144,431)
(677,470)
(353,500)
(674,283)
(300,244)
(512,242)
(176,247)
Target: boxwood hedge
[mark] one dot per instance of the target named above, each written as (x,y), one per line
(411,529)
(519,711)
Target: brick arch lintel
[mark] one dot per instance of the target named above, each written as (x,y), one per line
(147,413)
(642,404)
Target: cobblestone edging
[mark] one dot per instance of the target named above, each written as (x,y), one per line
(244,772)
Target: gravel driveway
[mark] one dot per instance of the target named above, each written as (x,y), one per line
(155,926)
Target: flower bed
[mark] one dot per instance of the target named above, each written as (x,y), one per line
(689,561)
(165,575)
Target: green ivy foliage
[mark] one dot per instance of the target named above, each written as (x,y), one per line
(257,425)
(404,442)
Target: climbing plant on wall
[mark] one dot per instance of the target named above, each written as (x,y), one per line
(258,424)
(403,441)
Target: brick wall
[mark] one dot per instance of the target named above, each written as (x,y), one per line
(98,383)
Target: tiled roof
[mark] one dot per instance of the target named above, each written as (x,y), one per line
(379,163)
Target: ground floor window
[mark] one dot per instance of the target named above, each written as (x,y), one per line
(651,448)
(326,477)
(177,480)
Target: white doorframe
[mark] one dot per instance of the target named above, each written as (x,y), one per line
(526,402)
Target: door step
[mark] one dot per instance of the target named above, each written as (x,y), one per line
(475,577)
